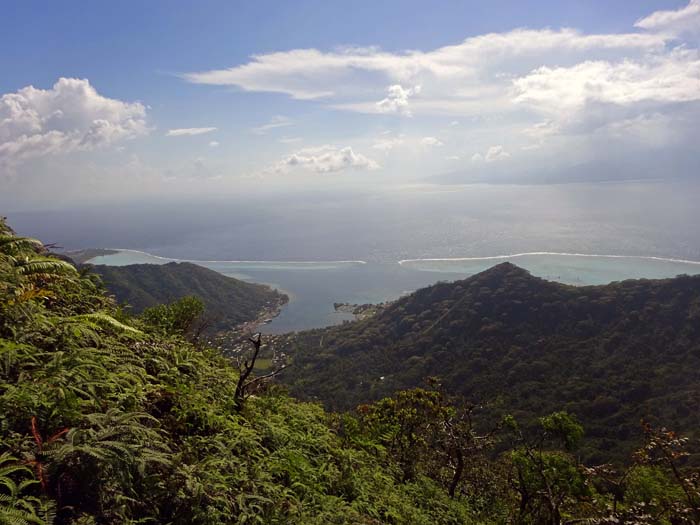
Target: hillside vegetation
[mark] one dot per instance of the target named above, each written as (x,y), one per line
(611,355)
(228,301)
(107,418)
(104,419)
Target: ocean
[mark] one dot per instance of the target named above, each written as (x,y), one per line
(313,287)
(374,245)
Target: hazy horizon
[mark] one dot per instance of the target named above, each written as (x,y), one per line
(630,218)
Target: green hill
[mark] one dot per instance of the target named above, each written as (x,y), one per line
(228,301)
(108,419)
(104,419)
(609,354)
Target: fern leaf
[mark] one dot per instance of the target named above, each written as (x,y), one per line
(11,243)
(105,320)
(45,265)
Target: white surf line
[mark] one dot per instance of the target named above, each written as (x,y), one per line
(232,261)
(514,255)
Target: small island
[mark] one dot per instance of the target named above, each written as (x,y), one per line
(361,311)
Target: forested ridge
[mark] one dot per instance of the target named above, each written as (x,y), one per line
(111,418)
(228,301)
(611,355)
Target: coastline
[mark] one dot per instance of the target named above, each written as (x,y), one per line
(560,254)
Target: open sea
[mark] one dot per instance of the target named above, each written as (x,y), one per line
(373,246)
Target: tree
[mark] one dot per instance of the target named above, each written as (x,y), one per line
(546,478)
(182,317)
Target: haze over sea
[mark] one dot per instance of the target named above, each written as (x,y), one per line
(324,248)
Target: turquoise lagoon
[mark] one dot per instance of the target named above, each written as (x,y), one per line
(314,286)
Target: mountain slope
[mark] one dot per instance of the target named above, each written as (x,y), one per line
(228,301)
(609,354)
(105,420)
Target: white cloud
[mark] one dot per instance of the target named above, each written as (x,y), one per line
(388,143)
(528,75)
(185,132)
(452,157)
(214,144)
(431,141)
(326,159)
(541,130)
(278,121)
(71,116)
(396,100)
(674,22)
(519,88)
(493,154)
(454,79)
(671,78)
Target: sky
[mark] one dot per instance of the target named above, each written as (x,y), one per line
(116,101)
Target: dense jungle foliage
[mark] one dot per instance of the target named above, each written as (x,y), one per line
(611,354)
(228,301)
(106,418)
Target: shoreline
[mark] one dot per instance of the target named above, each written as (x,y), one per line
(231,261)
(264,317)
(400,262)
(554,254)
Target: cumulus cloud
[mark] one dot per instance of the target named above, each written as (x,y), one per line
(549,73)
(493,154)
(396,100)
(675,22)
(431,141)
(326,159)
(278,121)
(553,86)
(71,116)
(454,79)
(185,132)
(214,144)
(671,78)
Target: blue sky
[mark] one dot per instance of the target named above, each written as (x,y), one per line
(217,97)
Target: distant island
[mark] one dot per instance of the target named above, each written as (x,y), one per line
(360,311)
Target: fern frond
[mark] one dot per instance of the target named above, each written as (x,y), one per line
(45,265)
(105,320)
(15,509)
(13,244)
